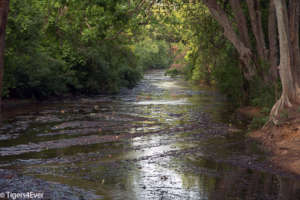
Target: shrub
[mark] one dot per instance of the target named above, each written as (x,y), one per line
(153,54)
(38,76)
(258,122)
(261,94)
(228,77)
(172,72)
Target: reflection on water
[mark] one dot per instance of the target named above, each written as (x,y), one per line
(165,139)
(159,180)
(163,102)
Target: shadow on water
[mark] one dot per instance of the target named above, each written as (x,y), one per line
(164,139)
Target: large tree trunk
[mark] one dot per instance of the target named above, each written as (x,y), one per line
(245,53)
(4,7)
(289,89)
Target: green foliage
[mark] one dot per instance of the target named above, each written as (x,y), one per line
(154,54)
(258,122)
(210,58)
(58,47)
(229,79)
(261,94)
(67,46)
(172,72)
(129,77)
(105,69)
(213,60)
(39,77)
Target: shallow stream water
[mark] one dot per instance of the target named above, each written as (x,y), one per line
(164,139)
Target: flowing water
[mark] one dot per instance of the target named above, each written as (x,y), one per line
(164,139)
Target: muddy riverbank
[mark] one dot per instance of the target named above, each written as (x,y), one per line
(164,139)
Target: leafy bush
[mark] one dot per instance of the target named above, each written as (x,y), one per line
(103,69)
(261,94)
(172,72)
(229,79)
(107,69)
(129,77)
(153,54)
(258,122)
(51,51)
(37,76)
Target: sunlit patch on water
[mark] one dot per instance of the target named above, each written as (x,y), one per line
(168,85)
(153,181)
(165,102)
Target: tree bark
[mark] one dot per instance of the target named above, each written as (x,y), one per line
(273,49)
(289,90)
(294,16)
(245,53)
(4,7)
(256,25)
(241,22)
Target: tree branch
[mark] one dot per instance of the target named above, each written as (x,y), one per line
(245,53)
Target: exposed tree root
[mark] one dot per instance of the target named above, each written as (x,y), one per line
(282,103)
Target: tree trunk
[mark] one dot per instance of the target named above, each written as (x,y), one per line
(260,43)
(241,22)
(294,16)
(245,53)
(272,34)
(4,7)
(256,25)
(289,92)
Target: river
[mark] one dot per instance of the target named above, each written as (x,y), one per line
(164,139)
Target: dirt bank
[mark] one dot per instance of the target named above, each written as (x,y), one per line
(283,141)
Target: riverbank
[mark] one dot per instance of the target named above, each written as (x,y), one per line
(283,142)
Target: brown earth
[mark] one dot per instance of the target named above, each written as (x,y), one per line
(283,141)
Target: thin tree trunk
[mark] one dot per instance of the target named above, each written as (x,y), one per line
(260,43)
(273,49)
(294,14)
(241,22)
(4,7)
(245,53)
(256,25)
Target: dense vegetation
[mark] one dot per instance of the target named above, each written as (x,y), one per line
(248,49)
(212,59)
(61,47)
(68,46)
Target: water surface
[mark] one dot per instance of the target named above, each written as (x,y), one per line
(164,139)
